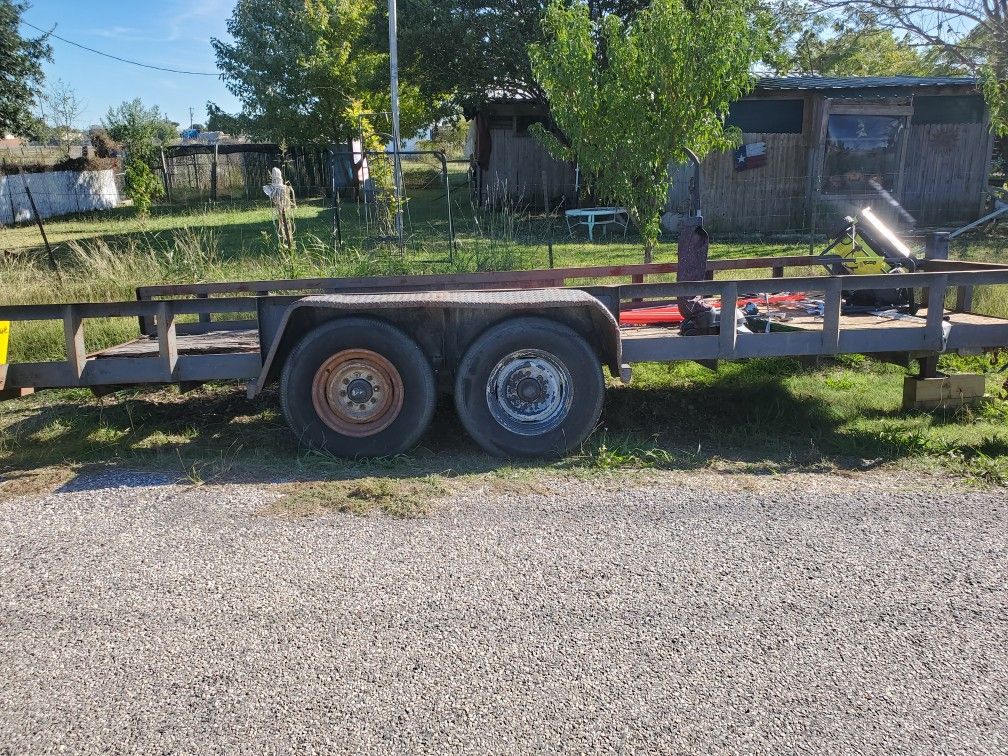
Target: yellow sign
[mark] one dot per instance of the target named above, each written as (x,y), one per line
(4,337)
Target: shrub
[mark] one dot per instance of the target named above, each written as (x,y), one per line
(142,186)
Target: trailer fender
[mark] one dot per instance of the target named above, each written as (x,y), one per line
(444,323)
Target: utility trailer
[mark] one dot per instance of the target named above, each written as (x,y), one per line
(360,361)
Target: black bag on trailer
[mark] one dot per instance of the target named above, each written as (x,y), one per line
(882,299)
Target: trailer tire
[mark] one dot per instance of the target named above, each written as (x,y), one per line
(358,387)
(529,387)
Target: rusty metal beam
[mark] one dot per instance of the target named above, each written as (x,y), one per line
(518,279)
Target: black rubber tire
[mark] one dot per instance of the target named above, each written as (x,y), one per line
(419,387)
(564,345)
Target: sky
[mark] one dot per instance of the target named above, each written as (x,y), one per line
(167,33)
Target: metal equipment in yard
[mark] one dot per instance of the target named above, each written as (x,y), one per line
(359,361)
(1000,211)
(867,246)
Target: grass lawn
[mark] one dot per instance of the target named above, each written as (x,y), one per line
(761,415)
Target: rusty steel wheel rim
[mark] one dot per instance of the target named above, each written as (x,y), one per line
(357,392)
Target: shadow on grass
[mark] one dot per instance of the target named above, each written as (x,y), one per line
(746,416)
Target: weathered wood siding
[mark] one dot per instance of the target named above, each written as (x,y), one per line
(945,173)
(516,170)
(769,198)
(943,179)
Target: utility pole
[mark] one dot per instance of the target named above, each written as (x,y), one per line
(394,76)
(191,121)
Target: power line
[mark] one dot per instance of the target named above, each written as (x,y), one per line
(116,57)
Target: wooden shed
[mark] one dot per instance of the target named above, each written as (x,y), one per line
(813,148)
(515,166)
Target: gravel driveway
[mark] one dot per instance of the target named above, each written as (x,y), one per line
(685,612)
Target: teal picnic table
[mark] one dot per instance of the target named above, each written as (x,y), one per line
(597,216)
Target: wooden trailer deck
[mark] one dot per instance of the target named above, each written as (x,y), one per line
(227,341)
(802,320)
(879,335)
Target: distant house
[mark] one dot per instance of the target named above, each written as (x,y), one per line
(813,148)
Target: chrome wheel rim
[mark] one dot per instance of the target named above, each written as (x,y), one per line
(529,392)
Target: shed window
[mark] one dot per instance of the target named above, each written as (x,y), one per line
(938,109)
(861,149)
(767,116)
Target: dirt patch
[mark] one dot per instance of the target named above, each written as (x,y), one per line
(32,482)
(391,496)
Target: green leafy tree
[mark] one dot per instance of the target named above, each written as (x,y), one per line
(140,130)
(220,120)
(142,185)
(448,137)
(969,36)
(38,130)
(839,48)
(301,68)
(21,73)
(632,98)
(478,49)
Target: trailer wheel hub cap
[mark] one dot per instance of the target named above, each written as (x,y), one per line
(529,392)
(357,392)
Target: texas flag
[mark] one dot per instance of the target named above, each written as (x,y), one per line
(750,156)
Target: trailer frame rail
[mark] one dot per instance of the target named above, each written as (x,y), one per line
(227,302)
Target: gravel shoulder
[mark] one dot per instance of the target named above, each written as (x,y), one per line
(678,612)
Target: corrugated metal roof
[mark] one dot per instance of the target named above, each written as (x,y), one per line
(863,82)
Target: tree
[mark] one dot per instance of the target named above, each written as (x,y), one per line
(632,98)
(970,36)
(21,73)
(64,108)
(488,51)
(142,185)
(302,68)
(309,71)
(832,47)
(37,130)
(448,137)
(219,120)
(140,128)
